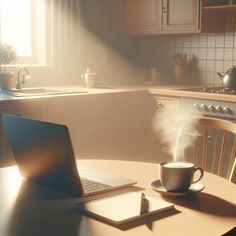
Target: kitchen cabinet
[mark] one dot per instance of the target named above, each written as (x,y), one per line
(108,126)
(218,5)
(167,17)
(180,15)
(158,16)
(167,102)
(140,16)
(214,15)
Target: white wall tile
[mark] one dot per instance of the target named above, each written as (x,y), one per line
(219,66)
(217,81)
(195,42)
(203,41)
(179,50)
(202,53)
(172,43)
(220,41)
(179,42)
(210,80)
(210,65)
(211,53)
(186,51)
(228,54)
(211,41)
(219,54)
(229,41)
(186,42)
(235,40)
(171,53)
(202,65)
(227,65)
(194,52)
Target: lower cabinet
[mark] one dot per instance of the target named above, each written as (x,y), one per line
(109,126)
(167,102)
(115,126)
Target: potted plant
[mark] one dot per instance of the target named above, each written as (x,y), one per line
(7,55)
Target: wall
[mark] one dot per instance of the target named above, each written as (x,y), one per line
(131,57)
(83,35)
(103,49)
(214,52)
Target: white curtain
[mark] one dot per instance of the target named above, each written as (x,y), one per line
(63,35)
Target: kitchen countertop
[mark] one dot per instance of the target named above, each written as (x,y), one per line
(170,91)
(179,92)
(75,92)
(9,100)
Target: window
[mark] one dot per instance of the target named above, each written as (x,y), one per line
(22,25)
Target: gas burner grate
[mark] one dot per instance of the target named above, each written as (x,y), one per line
(219,90)
(215,90)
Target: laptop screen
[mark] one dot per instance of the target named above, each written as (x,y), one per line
(43,153)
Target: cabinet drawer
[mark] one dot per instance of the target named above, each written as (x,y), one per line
(167,102)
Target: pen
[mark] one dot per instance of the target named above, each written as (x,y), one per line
(144,204)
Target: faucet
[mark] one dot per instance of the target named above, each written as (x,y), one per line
(24,74)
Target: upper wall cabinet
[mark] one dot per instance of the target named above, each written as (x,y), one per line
(180,15)
(158,16)
(140,16)
(166,17)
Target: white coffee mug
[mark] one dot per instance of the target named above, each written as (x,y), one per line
(178,176)
(89,79)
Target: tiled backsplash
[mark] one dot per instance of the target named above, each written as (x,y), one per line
(214,52)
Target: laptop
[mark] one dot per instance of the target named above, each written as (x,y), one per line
(44,154)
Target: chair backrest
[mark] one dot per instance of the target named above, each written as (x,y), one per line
(214,146)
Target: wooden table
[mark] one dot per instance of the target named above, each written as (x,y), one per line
(27,209)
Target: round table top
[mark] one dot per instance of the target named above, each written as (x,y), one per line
(31,209)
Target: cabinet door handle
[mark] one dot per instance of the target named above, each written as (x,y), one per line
(164,9)
(160,105)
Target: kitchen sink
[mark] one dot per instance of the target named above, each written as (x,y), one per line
(38,92)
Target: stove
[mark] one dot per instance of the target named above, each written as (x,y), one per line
(216,90)
(209,108)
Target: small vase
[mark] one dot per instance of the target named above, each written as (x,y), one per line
(180,74)
(7,81)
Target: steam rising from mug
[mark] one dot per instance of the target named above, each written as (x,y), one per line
(169,125)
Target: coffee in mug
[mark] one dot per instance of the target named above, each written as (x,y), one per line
(178,176)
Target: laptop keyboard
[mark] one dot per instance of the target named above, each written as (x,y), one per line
(90,186)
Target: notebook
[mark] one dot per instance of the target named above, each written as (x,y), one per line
(44,154)
(120,209)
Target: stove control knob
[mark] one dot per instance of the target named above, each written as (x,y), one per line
(219,109)
(211,108)
(203,107)
(226,110)
(196,106)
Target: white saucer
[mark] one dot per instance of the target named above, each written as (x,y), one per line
(194,188)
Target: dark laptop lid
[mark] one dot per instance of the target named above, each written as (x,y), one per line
(43,153)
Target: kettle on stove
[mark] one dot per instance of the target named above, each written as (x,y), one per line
(229,78)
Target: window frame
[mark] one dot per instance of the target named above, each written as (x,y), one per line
(40,40)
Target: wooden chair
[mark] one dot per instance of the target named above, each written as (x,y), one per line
(213,146)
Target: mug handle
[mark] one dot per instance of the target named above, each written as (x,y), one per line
(201,174)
